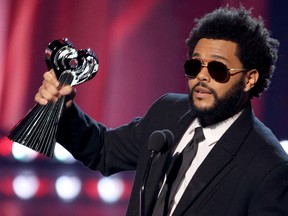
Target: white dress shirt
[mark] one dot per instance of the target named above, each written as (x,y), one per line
(212,134)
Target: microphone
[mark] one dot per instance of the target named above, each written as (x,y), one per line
(159,141)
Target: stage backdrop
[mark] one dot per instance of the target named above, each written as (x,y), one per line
(140,46)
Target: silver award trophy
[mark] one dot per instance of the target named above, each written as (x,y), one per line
(37,130)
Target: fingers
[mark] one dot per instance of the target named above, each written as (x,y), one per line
(40,100)
(50,90)
(50,78)
(65,90)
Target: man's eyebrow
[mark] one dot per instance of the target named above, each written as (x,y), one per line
(215,56)
(195,55)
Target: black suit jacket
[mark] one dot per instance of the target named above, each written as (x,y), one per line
(246,173)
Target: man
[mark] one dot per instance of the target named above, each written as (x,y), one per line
(240,167)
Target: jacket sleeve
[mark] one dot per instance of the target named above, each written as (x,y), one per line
(113,150)
(98,147)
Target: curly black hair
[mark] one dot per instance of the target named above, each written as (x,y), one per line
(255,48)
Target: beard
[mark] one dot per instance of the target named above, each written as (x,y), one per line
(223,107)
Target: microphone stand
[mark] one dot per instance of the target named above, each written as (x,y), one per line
(142,189)
(159,141)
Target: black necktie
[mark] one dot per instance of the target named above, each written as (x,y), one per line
(179,165)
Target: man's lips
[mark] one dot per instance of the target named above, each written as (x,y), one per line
(202,90)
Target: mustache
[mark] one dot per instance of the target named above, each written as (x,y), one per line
(204,85)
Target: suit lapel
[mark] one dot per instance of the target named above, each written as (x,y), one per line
(214,167)
(204,175)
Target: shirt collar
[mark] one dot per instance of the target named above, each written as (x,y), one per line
(214,132)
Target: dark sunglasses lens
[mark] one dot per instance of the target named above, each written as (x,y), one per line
(192,67)
(218,71)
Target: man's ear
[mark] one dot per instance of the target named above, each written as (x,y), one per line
(251,79)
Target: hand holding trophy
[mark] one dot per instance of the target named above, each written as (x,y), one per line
(37,130)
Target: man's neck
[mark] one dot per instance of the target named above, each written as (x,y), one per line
(212,120)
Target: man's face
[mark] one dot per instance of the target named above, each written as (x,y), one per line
(214,99)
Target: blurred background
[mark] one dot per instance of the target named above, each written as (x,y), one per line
(141,48)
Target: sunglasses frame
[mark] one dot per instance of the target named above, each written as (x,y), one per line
(228,73)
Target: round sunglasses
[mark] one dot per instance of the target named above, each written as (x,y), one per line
(217,70)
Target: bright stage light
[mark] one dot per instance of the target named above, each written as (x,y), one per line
(25,185)
(110,189)
(62,154)
(68,187)
(284,144)
(23,153)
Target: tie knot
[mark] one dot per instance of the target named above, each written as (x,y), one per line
(199,135)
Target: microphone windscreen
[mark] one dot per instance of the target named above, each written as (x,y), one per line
(169,139)
(160,140)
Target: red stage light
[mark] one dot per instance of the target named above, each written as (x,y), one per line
(5,146)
